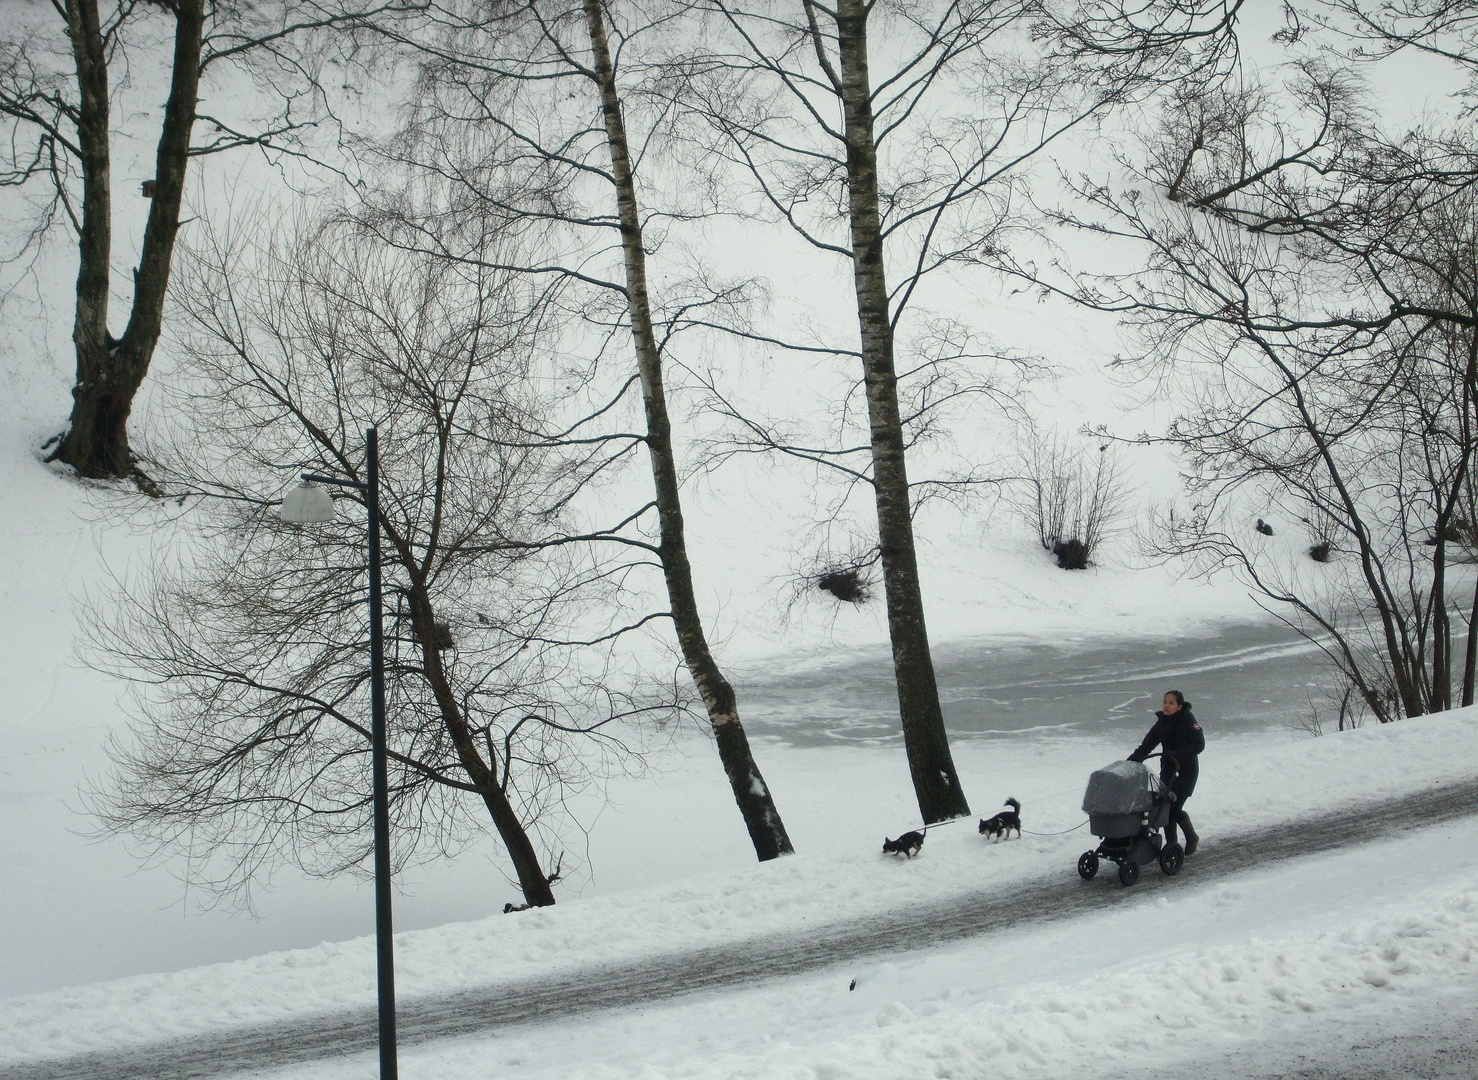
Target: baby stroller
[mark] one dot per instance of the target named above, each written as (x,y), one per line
(1127,808)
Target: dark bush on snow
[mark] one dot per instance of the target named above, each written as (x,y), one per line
(1072,555)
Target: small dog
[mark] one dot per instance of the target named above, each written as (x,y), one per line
(1002,824)
(907,844)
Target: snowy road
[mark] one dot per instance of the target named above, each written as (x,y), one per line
(1059,897)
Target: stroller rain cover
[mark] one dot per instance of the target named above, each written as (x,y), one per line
(1123,787)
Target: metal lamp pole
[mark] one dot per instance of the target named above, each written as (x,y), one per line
(384,938)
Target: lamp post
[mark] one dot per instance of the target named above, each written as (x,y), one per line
(308,505)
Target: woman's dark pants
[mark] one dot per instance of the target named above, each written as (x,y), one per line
(1183,786)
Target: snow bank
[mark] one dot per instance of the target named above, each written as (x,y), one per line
(1326,948)
(1150,1013)
(1247,783)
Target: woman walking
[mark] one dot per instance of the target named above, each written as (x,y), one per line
(1181,740)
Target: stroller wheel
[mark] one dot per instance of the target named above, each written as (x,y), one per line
(1088,865)
(1172,858)
(1129,871)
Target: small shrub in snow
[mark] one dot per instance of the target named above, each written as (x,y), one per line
(1323,528)
(1072,497)
(1349,710)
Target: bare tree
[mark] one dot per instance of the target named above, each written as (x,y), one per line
(1317,276)
(1369,31)
(57,92)
(1378,292)
(505,674)
(527,112)
(896,138)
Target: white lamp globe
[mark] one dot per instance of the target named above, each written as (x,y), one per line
(307,505)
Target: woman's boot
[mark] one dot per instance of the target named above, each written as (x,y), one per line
(1191,839)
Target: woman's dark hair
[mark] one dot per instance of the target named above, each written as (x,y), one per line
(1179,698)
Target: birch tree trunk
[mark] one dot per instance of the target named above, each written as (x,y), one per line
(936,783)
(766,830)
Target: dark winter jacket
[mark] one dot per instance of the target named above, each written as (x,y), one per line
(1177,734)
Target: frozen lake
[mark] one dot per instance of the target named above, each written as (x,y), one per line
(1240,678)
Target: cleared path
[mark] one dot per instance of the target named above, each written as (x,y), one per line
(506,1005)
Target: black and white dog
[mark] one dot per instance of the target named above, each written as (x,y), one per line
(1002,824)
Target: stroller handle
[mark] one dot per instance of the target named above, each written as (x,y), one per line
(1165,794)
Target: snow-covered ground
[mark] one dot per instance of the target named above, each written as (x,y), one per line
(668,866)
(1209,965)
(1202,972)
(1280,955)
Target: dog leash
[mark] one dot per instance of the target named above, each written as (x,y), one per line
(1064,832)
(1034,799)
(941,824)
